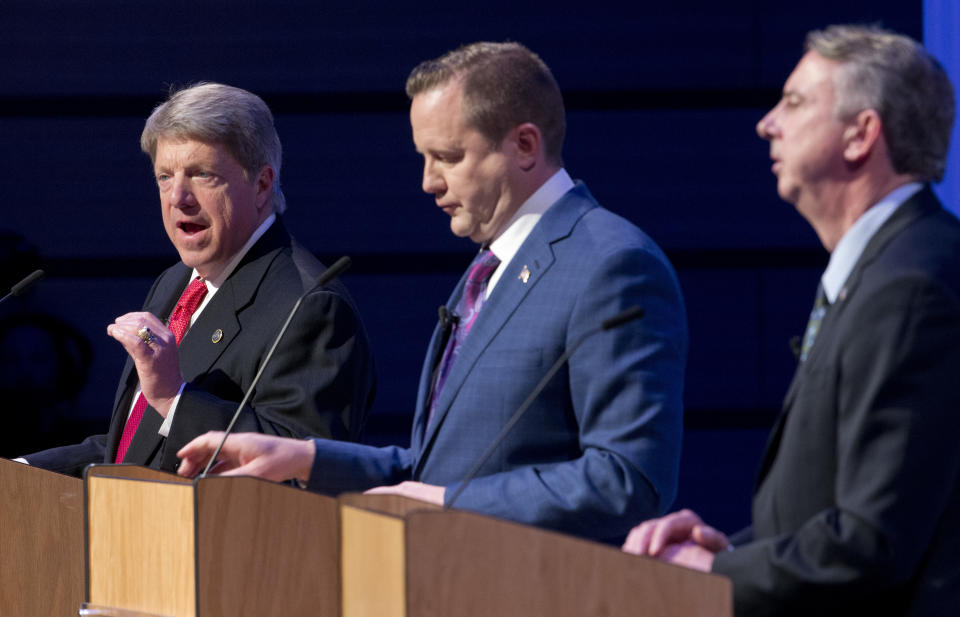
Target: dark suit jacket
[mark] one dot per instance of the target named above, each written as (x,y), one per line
(857,507)
(600,446)
(320,380)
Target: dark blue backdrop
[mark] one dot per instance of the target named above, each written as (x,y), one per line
(662,101)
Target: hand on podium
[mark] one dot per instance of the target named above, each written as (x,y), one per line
(429,493)
(680,538)
(249,454)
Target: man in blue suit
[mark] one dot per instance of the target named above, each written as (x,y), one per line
(600,446)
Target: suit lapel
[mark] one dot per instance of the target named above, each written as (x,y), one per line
(536,256)
(161,300)
(205,341)
(920,204)
(218,325)
(434,352)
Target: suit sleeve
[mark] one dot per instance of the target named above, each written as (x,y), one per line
(340,466)
(625,388)
(318,383)
(898,464)
(72,459)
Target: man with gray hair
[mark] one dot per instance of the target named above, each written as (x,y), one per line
(857,503)
(208,321)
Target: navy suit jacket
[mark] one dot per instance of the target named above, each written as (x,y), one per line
(320,380)
(857,506)
(600,446)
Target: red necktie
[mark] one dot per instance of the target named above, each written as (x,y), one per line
(179,322)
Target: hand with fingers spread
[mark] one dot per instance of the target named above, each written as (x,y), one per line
(249,454)
(681,538)
(153,348)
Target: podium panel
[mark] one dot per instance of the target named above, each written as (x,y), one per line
(377,588)
(465,564)
(159,545)
(140,545)
(41,542)
(213,547)
(266,549)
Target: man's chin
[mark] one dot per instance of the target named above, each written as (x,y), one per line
(459,229)
(196,261)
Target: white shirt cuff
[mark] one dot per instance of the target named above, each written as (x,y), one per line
(168,421)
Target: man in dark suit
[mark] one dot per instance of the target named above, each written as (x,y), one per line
(857,502)
(602,441)
(216,158)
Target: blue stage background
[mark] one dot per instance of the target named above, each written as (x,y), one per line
(662,99)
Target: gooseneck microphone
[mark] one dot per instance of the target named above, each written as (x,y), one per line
(325,277)
(635,312)
(22,286)
(448,319)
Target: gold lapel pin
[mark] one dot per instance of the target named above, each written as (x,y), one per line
(217,335)
(524,274)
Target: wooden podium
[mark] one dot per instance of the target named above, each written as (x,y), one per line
(163,545)
(158,545)
(41,542)
(403,558)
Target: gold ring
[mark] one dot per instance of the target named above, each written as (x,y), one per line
(146,335)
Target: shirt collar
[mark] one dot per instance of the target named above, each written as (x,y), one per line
(528,215)
(214,283)
(845,255)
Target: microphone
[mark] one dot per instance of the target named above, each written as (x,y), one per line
(22,286)
(448,319)
(796,345)
(634,312)
(325,277)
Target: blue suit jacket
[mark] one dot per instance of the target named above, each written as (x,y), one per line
(599,449)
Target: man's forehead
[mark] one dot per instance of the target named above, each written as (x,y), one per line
(186,147)
(437,115)
(442,94)
(812,71)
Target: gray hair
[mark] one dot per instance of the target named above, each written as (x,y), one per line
(504,85)
(897,77)
(220,114)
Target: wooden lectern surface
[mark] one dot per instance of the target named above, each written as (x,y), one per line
(266,550)
(41,542)
(463,560)
(143,562)
(260,549)
(134,472)
(406,559)
(213,547)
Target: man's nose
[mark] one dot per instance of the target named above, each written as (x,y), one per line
(767,126)
(181,194)
(432,181)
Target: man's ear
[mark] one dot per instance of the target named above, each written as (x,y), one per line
(264,184)
(528,142)
(860,138)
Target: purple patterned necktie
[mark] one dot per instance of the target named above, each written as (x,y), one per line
(471,301)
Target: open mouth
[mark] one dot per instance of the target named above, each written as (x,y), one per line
(190,228)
